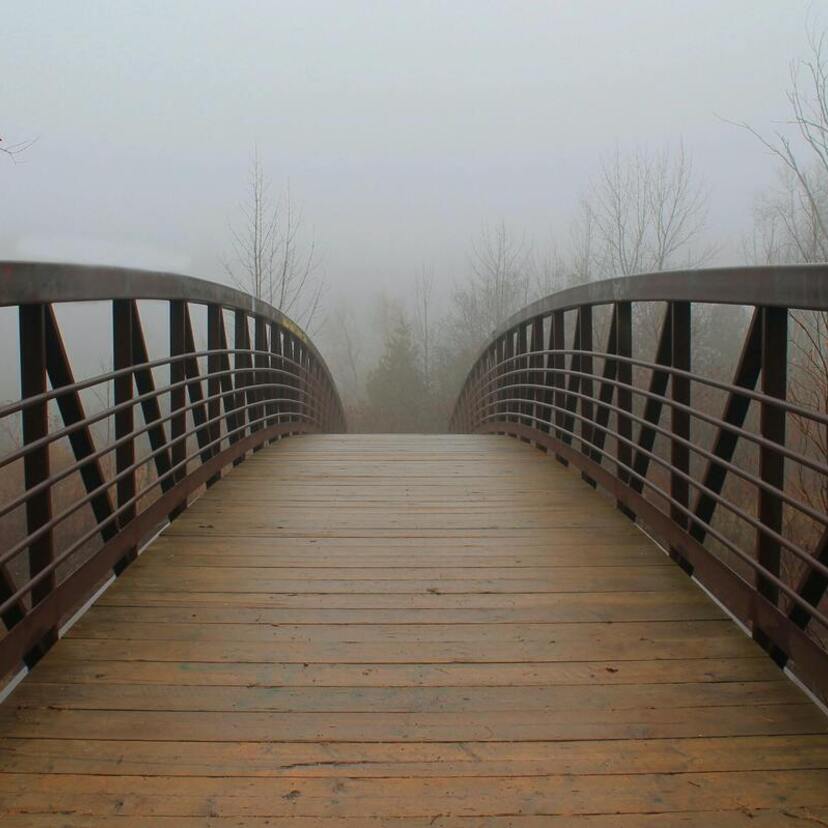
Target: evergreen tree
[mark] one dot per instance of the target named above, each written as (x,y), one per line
(396,389)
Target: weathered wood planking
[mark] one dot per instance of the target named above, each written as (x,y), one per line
(414,631)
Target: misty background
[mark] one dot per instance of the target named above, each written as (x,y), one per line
(410,140)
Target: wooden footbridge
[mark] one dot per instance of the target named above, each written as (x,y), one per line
(599,601)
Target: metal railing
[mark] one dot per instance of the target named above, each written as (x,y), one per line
(179,421)
(715,482)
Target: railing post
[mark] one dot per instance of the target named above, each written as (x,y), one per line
(304,405)
(317,393)
(508,365)
(297,378)
(623,348)
(178,396)
(122,358)
(497,380)
(241,335)
(36,469)
(289,376)
(475,415)
(297,383)
(214,384)
(536,375)
(680,420)
(586,364)
(277,365)
(261,360)
(771,462)
(545,401)
(521,379)
(557,343)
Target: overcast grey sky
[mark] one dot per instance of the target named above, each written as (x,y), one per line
(400,125)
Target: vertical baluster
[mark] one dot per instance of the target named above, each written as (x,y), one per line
(296,378)
(178,395)
(471,391)
(35,417)
(557,343)
(274,377)
(277,364)
(122,357)
(242,363)
(487,392)
(310,381)
(587,386)
(623,347)
(214,385)
(508,379)
(473,402)
(771,462)
(303,381)
(680,420)
(493,402)
(573,385)
(290,375)
(521,379)
(536,376)
(316,398)
(321,393)
(260,344)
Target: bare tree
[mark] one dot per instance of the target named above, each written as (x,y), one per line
(791,226)
(792,218)
(347,350)
(498,284)
(423,319)
(582,245)
(13,150)
(270,258)
(645,211)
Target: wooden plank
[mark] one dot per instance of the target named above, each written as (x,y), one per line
(418,759)
(640,579)
(495,726)
(409,631)
(470,797)
(635,636)
(171,697)
(739,818)
(582,606)
(603,642)
(58,670)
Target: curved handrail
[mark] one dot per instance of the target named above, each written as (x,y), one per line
(794,286)
(757,543)
(24,283)
(213,407)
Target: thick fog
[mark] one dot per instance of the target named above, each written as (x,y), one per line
(400,127)
(405,137)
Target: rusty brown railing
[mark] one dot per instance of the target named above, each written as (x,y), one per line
(735,482)
(214,404)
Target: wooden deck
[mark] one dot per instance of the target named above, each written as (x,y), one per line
(408,631)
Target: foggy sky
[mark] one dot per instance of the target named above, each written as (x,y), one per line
(401,126)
